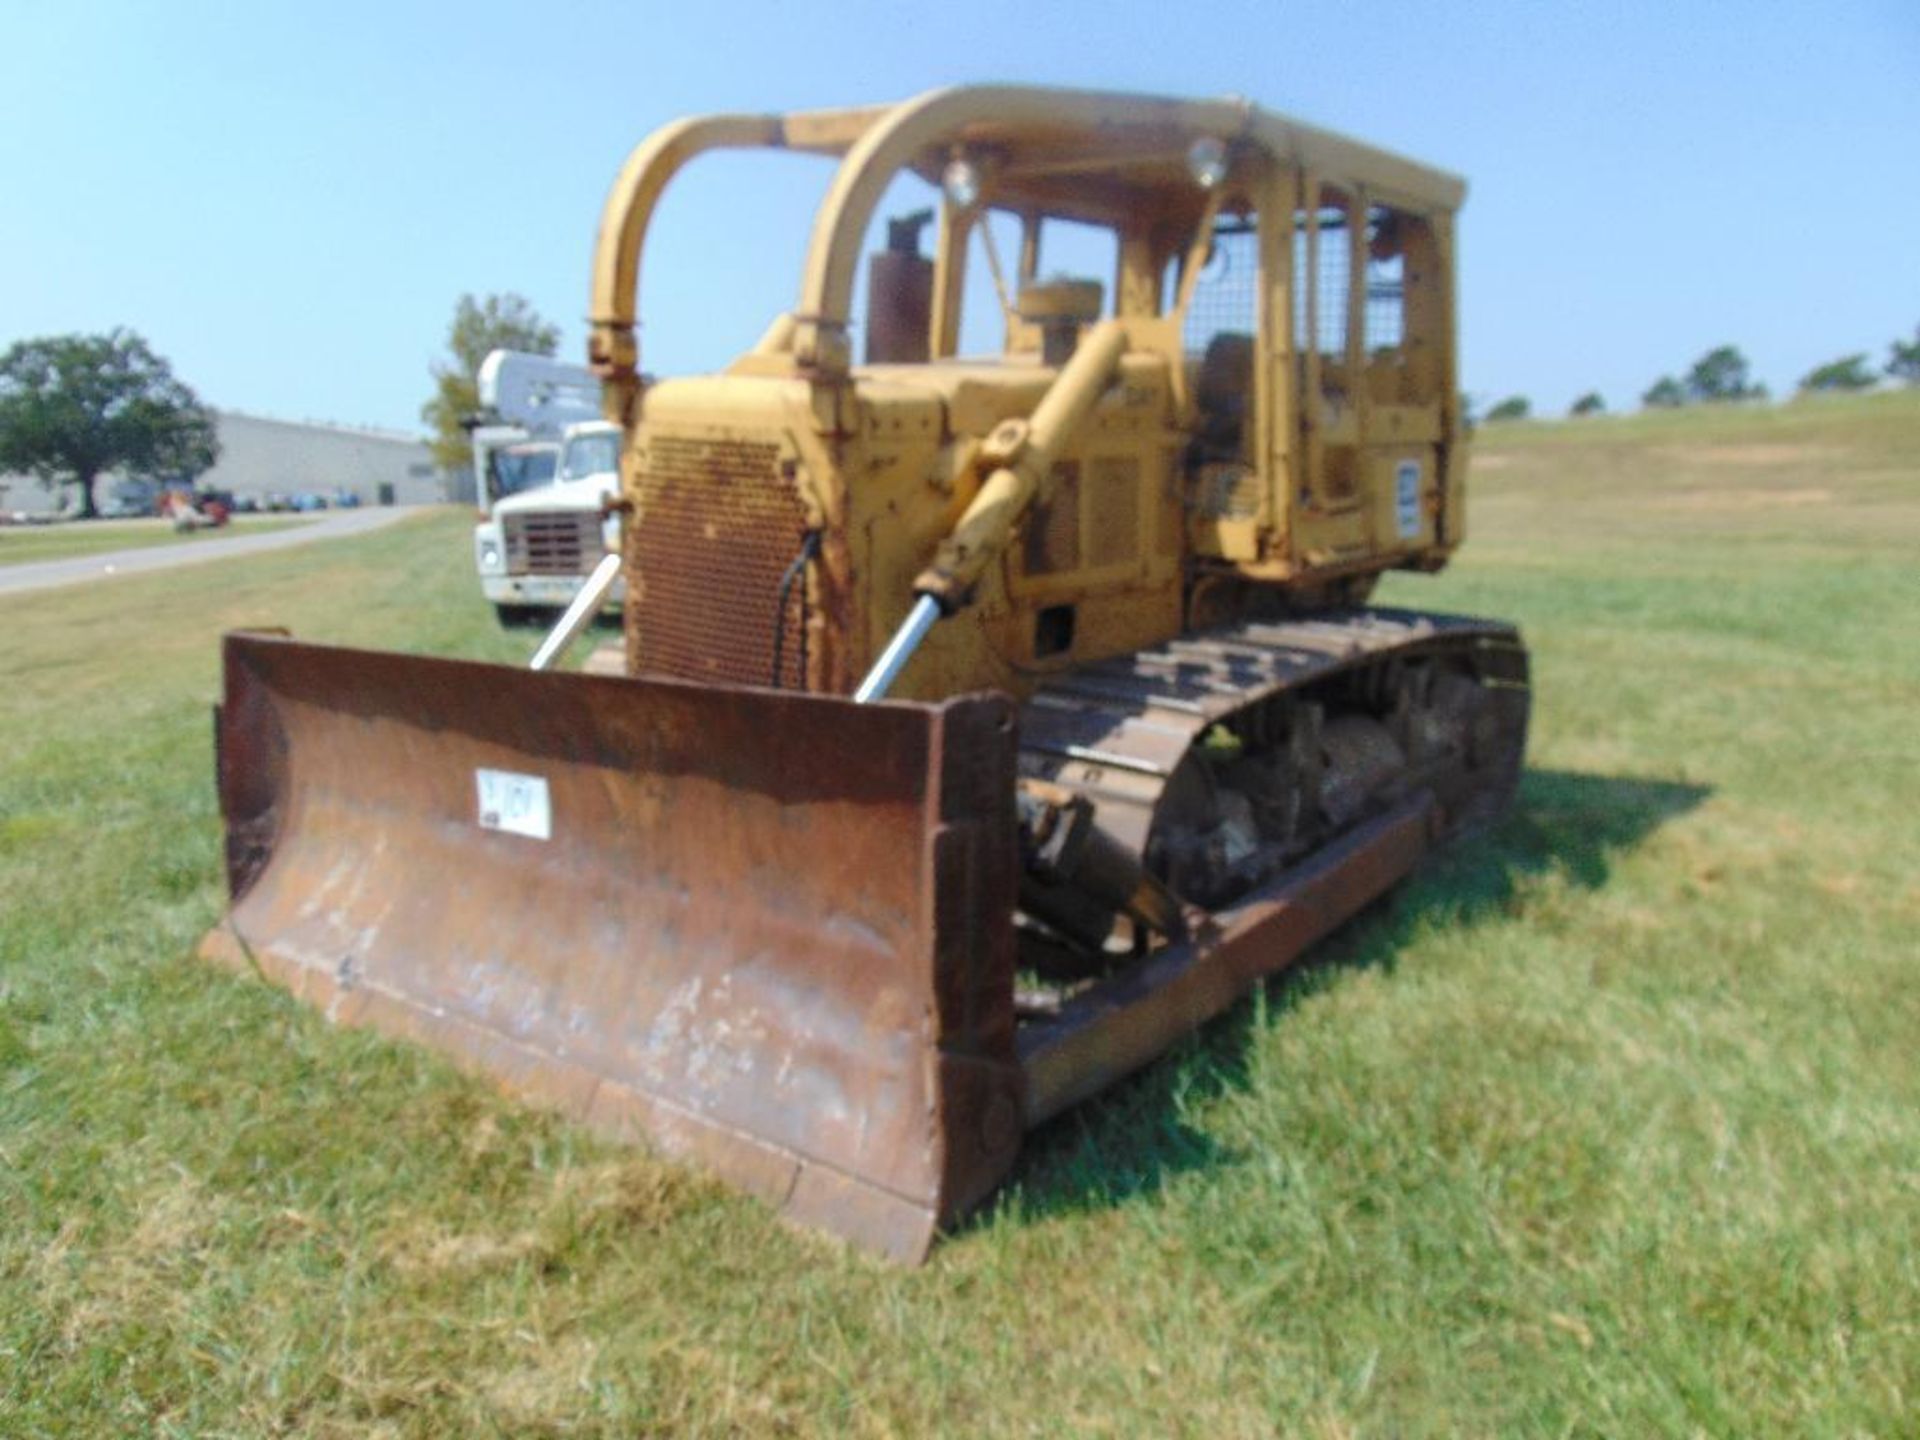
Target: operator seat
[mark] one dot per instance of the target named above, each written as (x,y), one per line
(1224,392)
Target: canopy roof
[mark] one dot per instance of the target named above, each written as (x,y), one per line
(1082,154)
(1042,141)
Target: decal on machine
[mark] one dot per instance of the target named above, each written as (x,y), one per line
(518,804)
(1406,488)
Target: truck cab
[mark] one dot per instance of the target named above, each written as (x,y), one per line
(537,545)
(507,460)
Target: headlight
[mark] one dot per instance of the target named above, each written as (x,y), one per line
(489,555)
(1207,161)
(961,181)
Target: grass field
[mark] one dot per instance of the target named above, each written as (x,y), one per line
(22,544)
(1609,1123)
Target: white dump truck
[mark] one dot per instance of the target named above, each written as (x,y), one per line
(544,466)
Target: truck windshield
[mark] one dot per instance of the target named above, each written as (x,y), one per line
(521,467)
(596,454)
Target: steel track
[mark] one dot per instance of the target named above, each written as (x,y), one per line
(1116,731)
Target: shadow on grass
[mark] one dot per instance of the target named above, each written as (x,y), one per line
(1134,1137)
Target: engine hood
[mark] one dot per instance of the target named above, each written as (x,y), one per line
(586,494)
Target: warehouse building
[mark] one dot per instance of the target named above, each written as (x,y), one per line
(262,457)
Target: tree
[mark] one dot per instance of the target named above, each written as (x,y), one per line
(499,322)
(73,407)
(1722,374)
(1666,393)
(1590,404)
(1514,407)
(1849,372)
(1903,359)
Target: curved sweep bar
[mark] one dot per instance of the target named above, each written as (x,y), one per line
(612,348)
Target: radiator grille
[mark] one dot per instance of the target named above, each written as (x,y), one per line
(1113,511)
(553,542)
(716,527)
(1053,529)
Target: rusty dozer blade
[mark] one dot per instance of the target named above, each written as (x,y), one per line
(771,932)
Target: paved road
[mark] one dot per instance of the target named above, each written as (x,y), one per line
(107,565)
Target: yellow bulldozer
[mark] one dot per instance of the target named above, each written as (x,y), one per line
(984,724)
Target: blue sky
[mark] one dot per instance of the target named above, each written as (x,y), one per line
(286,199)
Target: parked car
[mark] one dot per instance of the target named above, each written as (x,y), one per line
(346,499)
(307,501)
(132,498)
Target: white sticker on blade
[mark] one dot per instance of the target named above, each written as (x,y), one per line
(1406,477)
(515,803)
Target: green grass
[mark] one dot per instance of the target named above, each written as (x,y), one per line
(24,544)
(1608,1123)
